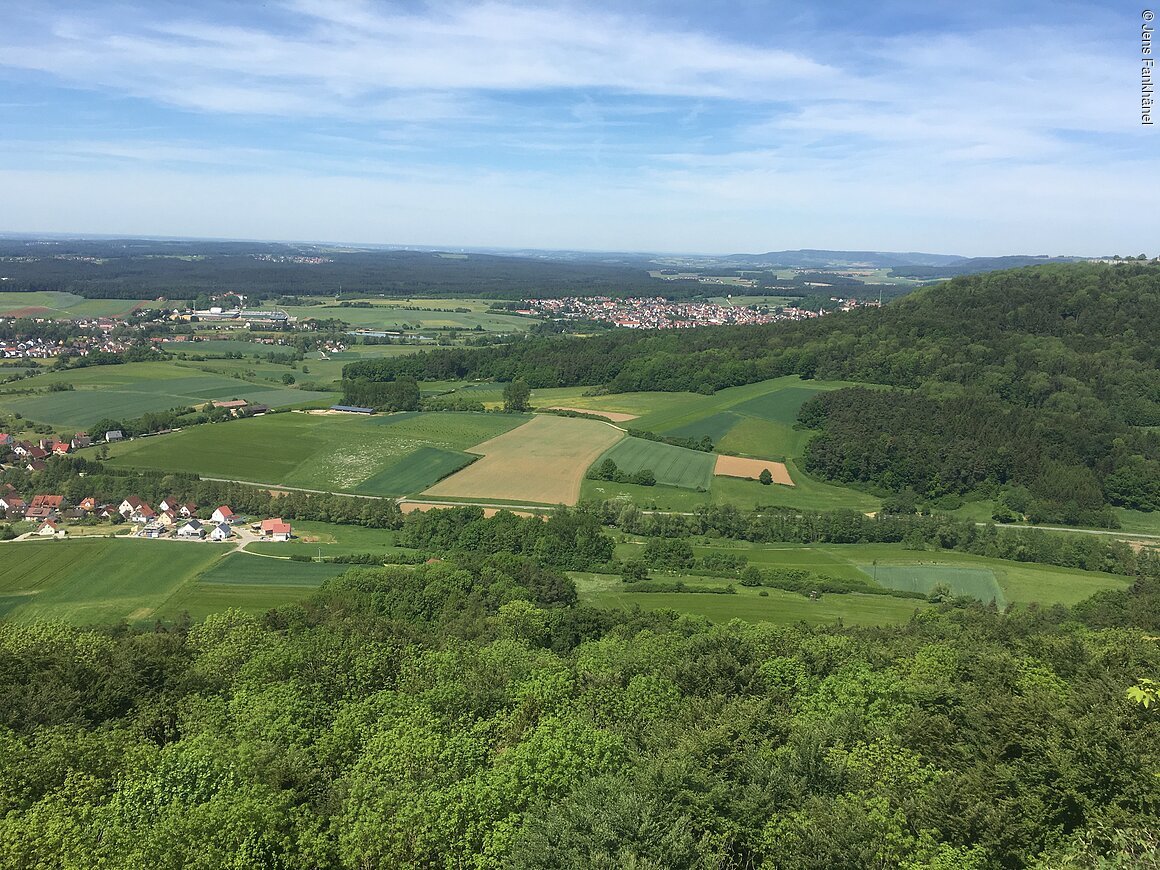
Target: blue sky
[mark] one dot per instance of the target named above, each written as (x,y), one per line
(679,126)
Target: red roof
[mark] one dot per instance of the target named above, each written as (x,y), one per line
(48,501)
(280,529)
(225,511)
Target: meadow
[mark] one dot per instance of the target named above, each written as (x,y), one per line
(386,455)
(130,390)
(543,462)
(417,314)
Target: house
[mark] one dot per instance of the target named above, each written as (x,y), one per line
(187,510)
(49,529)
(276,530)
(166,519)
(60,448)
(169,504)
(152,530)
(129,505)
(114,435)
(221,532)
(143,514)
(192,529)
(36,465)
(6,440)
(81,439)
(45,507)
(13,505)
(257,410)
(88,504)
(223,515)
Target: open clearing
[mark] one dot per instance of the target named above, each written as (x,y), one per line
(64,306)
(387,455)
(672,466)
(737,466)
(543,461)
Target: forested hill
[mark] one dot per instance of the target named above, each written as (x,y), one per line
(1037,379)
(1049,336)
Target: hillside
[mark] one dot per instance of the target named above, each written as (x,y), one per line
(1059,363)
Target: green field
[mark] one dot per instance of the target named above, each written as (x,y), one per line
(63,306)
(977,583)
(128,391)
(385,455)
(104,580)
(417,315)
(96,579)
(608,591)
(673,466)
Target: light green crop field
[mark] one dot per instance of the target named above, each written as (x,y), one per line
(96,579)
(672,466)
(63,306)
(127,391)
(971,582)
(104,580)
(608,591)
(386,455)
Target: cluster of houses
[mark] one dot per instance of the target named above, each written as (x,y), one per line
(32,454)
(33,347)
(171,519)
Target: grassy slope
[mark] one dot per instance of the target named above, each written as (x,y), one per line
(376,455)
(672,466)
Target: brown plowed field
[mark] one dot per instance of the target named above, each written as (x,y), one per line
(614,416)
(737,466)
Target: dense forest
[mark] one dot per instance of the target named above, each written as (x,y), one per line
(1042,379)
(468,713)
(141,269)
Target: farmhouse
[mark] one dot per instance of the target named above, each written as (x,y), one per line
(232,404)
(276,530)
(223,514)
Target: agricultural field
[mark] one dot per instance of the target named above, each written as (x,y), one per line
(105,580)
(387,455)
(777,606)
(96,579)
(672,466)
(751,469)
(57,305)
(133,389)
(542,462)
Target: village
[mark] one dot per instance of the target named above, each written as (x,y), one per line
(660,313)
(53,517)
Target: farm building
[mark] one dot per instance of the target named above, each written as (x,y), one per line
(352,409)
(276,530)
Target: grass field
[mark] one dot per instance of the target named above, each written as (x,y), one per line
(418,314)
(672,466)
(385,455)
(130,390)
(971,582)
(95,579)
(608,591)
(541,462)
(63,306)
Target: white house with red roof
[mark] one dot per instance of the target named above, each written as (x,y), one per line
(276,530)
(223,514)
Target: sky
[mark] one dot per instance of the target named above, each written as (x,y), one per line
(694,127)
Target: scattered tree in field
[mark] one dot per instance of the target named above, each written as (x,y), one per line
(287,379)
(765,477)
(516,394)
(634,572)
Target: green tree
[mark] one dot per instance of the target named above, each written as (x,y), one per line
(765,477)
(516,395)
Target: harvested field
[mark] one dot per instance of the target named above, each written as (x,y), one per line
(542,461)
(614,416)
(737,466)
